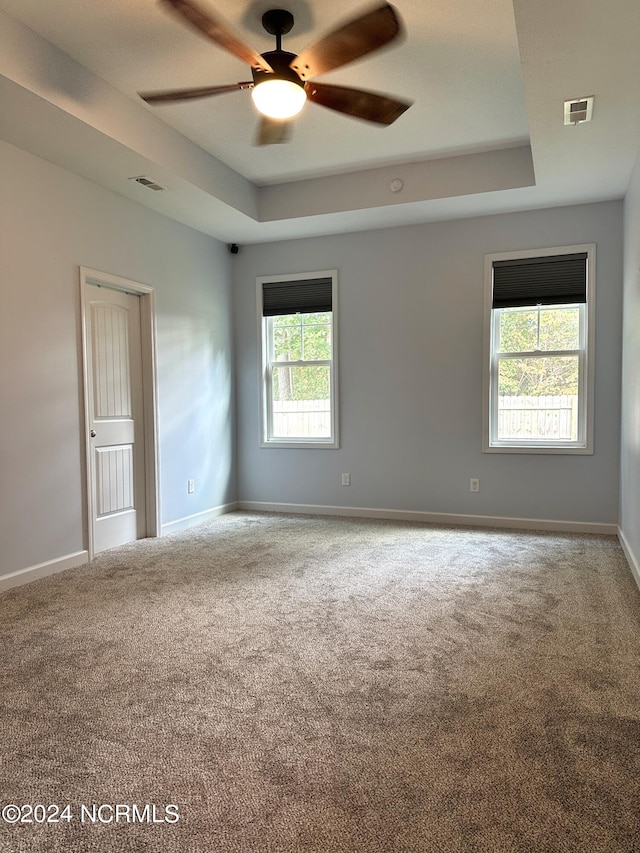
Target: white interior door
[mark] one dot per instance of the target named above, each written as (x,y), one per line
(115,422)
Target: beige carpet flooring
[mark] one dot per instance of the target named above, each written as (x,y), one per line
(329,685)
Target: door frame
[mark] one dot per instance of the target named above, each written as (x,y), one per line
(149,397)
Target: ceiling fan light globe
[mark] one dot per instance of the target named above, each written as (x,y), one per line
(279,99)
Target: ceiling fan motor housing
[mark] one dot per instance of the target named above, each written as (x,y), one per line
(280,61)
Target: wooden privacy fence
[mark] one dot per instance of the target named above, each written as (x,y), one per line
(538,417)
(310,418)
(545,417)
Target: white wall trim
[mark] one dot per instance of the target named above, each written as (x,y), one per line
(42,570)
(197,518)
(436,517)
(634,562)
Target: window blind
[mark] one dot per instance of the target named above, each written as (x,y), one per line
(552,280)
(307,296)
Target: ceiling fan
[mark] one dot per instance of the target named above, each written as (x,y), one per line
(282,81)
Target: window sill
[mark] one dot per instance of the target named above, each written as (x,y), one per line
(549,449)
(303,444)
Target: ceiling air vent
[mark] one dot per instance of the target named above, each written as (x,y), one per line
(578,111)
(147,182)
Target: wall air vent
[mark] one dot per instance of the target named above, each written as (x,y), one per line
(147,182)
(578,111)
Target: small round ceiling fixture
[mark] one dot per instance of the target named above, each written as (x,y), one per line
(396,185)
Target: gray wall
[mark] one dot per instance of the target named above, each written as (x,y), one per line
(411,333)
(51,222)
(630,455)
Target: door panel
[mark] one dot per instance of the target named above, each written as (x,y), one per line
(114,370)
(112,375)
(114,480)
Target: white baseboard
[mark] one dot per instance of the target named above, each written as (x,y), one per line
(72,561)
(197,518)
(634,563)
(436,517)
(51,567)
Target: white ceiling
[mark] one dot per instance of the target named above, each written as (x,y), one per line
(485,133)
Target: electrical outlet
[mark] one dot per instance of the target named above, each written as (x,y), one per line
(474,485)
(346,479)
(191,486)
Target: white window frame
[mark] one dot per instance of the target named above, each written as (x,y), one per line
(584,443)
(264,325)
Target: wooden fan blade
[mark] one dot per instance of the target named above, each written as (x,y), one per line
(358,103)
(218,32)
(273,132)
(351,41)
(188,94)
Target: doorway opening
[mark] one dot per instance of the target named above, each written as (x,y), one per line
(120,408)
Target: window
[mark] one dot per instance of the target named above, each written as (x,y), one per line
(298,322)
(538,387)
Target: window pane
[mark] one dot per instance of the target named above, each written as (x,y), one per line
(559,328)
(317,342)
(518,330)
(541,329)
(287,341)
(320,317)
(538,398)
(286,320)
(301,402)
